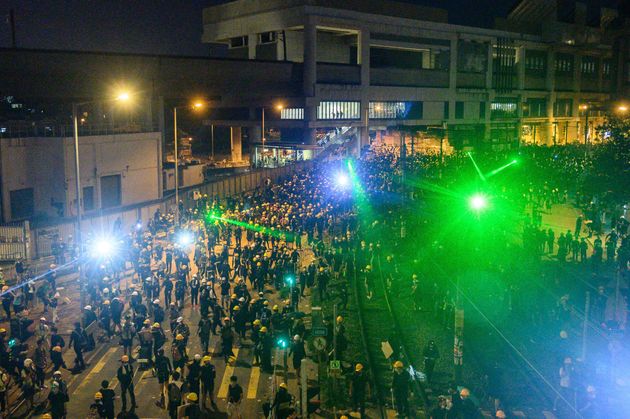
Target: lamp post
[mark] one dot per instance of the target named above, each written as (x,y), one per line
(279,107)
(196,106)
(122,97)
(586,109)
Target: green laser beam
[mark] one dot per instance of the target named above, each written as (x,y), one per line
(279,234)
(476,167)
(500,169)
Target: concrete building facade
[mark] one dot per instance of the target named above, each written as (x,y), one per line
(38,174)
(382,65)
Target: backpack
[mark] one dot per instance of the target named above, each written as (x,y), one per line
(174,393)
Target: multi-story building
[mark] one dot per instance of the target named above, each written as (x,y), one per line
(382,66)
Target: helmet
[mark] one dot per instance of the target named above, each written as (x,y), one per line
(53,266)
(464,393)
(265,303)
(398,364)
(124,358)
(368,268)
(242,299)
(226,319)
(105,290)
(206,359)
(180,319)
(156,301)
(233,297)
(146,321)
(98,396)
(106,302)
(156,325)
(5,288)
(134,293)
(263,329)
(56,348)
(3,330)
(500,414)
(28,362)
(358,367)
(192,397)
(236,308)
(339,319)
(296,338)
(275,307)
(197,357)
(283,385)
(256,322)
(46,416)
(88,307)
(57,373)
(179,337)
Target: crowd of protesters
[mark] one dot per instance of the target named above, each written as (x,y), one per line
(242,245)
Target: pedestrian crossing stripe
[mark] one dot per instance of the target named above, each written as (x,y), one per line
(225,382)
(252,388)
(97,368)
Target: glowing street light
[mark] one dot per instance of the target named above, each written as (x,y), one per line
(622,108)
(103,248)
(123,97)
(478,202)
(185,238)
(197,105)
(343,180)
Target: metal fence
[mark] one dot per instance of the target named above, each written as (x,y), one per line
(42,237)
(14,241)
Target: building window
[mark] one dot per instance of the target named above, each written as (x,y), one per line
(459,110)
(339,110)
(292,113)
(564,63)
(506,107)
(606,68)
(563,107)
(395,110)
(238,42)
(267,38)
(482,110)
(446,110)
(535,108)
(88,198)
(535,61)
(22,203)
(589,66)
(111,195)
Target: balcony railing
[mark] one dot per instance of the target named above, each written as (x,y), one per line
(413,78)
(335,73)
(19,129)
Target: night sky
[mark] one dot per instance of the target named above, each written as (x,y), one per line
(160,26)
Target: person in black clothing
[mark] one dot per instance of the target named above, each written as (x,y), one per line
(78,340)
(282,402)
(163,370)
(191,409)
(358,385)
(235,395)
(205,324)
(400,387)
(208,375)
(299,353)
(125,378)
(108,397)
(440,411)
(431,354)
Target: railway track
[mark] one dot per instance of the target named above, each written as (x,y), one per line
(378,323)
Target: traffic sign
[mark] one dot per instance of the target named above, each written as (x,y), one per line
(319,331)
(319,343)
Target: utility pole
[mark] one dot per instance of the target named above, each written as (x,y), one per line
(12,22)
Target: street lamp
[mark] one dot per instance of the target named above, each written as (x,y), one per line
(122,97)
(622,108)
(586,109)
(197,105)
(279,108)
